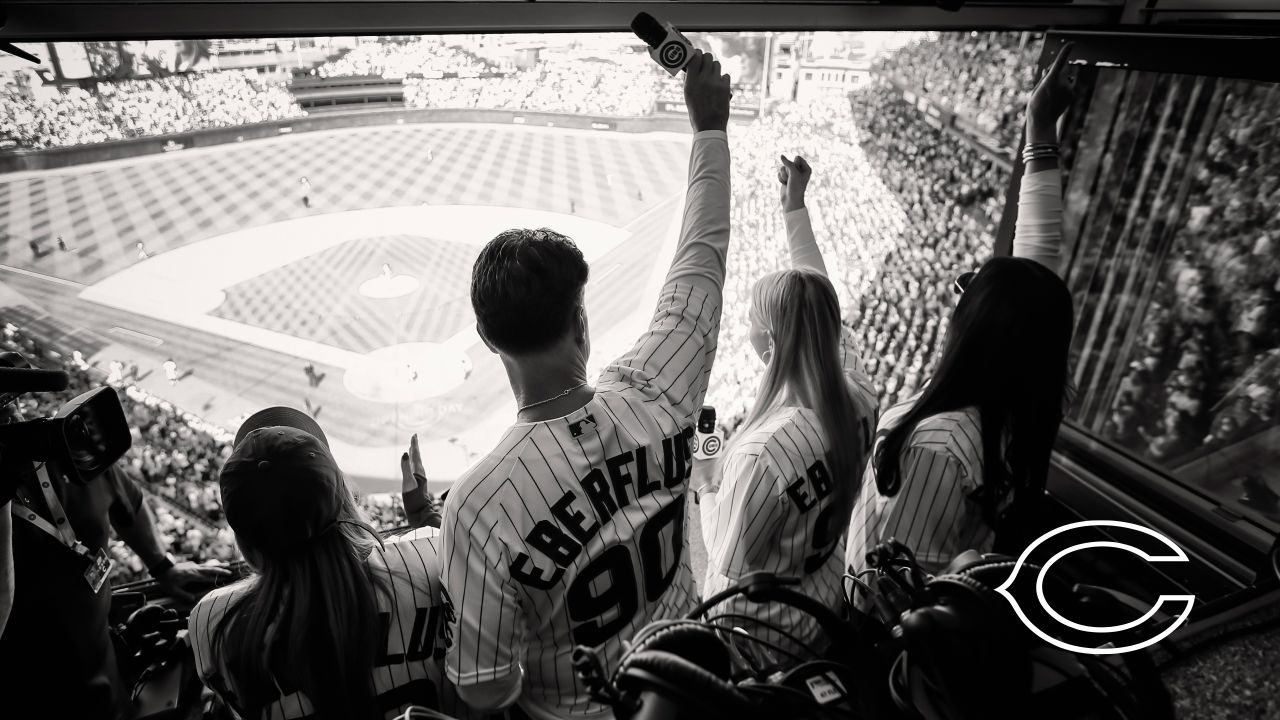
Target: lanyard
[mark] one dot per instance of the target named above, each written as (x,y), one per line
(60,529)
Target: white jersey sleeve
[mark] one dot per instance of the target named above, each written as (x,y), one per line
(741,521)
(411,623)
(672,359)
(488,631)
(932,512)
(1038,232)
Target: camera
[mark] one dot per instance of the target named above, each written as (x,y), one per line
(79,442)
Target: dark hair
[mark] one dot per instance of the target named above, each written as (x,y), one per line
(525,287)
(309,621)
(1006,353)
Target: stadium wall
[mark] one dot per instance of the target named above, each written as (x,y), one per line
(50,158)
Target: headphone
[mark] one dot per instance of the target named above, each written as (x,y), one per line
(967,656)
(684,667)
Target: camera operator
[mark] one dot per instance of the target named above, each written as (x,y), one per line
(58,647)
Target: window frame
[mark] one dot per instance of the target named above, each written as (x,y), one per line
(1232,545)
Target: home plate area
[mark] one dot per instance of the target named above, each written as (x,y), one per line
(319,297)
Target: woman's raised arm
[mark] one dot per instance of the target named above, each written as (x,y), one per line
(1038,233)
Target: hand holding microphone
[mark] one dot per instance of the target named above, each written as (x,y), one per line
(706,93)
(706,89)
(667,46)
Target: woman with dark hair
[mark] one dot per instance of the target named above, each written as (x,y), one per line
(789,475)
(333,624)
(967,457)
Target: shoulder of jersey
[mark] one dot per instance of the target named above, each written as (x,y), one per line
(959,432)
(494,467)
(765,435)
(210,609)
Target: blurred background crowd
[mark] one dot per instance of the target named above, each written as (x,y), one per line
(900,208)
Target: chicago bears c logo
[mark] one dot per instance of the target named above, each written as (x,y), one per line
(1175,555)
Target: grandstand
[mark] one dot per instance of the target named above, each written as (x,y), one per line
(215,254)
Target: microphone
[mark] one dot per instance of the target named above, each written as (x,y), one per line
(18,377)
(667,46)
(709,438)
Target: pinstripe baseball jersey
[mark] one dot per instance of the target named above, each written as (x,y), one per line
(941,466)
(572,530)
(775,511)
(412,620)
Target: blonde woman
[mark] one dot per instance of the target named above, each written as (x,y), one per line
(787,482)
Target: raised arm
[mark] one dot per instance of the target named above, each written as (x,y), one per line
(704,233)
(794,176)
(672,359)
(1038,233)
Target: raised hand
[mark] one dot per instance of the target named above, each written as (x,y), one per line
(794,176)
(420,506)
(1053,94)
(706,93)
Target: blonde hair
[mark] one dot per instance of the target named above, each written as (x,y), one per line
(800,309)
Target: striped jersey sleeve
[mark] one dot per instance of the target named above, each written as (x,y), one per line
(932,513)
(411,626)
(931,508)
(487,621)
(672,359)
(201,626)
(741,521)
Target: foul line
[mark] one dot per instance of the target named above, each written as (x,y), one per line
(42,276)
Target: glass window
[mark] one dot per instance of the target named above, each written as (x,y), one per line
(1173,211)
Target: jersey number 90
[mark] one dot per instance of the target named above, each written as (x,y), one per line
(605,596)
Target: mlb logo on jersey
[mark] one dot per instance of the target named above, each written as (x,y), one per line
(586,424)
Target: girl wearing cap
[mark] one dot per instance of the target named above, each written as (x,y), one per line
(331,622)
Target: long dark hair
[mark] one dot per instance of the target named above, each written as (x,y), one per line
(309,622)
(1006,353)
(802,312)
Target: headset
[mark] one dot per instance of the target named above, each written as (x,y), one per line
(965,655)
(697,667)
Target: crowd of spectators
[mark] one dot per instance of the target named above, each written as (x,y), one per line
(175,458)
(1205,370)
(899,209)
(597,87)
(140,108)
(428,57)
(440,75)
(985,77)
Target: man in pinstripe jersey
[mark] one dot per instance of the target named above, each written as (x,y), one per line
(572,530)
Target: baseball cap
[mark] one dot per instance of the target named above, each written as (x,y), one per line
(281,486)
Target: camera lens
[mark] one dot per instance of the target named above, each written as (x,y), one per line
(85,440)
